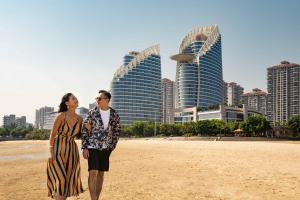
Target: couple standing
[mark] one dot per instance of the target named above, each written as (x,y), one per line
(99,133)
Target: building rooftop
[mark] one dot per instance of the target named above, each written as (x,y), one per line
(167,80)
(285,64)
(133,53)
(255,91)
(140,56)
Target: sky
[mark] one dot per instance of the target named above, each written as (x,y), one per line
(51,47)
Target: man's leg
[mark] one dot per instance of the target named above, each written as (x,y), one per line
(100,178)
(93,176)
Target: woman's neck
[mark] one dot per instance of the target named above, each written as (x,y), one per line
(71,112)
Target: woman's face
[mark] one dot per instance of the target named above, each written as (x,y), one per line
(73,102)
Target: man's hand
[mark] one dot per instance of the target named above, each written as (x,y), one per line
(85,153)
(88,127)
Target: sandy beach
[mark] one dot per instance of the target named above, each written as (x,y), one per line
(161,169)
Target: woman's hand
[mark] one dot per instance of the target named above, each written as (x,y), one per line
(51,157)
(88,127)
(85,153)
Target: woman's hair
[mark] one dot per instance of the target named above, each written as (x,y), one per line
(62,106)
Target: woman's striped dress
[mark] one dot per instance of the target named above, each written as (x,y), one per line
(63,174)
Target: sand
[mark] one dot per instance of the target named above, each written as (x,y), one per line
(151,169)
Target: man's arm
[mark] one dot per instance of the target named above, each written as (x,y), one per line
(116,131)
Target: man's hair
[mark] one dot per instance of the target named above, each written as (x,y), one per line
(106,93)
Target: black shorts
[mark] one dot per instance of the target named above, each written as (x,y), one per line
(99,160)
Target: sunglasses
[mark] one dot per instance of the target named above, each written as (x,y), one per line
(99,98)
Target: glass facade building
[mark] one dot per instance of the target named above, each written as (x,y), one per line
(136,87)
(199,76)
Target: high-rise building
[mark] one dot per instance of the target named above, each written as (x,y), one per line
(283,92)
(21,122)
(225,96)
(9,120)
(12,120)
(40,116)
(199,76)
(168,101)
(49,120)
(257,99)
(136,87)
(234,94)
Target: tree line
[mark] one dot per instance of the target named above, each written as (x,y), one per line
(252,127)
(24,133)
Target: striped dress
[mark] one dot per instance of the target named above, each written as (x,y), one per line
(63,174)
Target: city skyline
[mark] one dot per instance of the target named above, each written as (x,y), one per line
(50,48)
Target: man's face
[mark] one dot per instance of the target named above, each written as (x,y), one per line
(102,100)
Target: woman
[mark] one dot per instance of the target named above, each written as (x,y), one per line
(63,167)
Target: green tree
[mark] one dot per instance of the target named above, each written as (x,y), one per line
(203,127)
(211,127)
(137,128)
(218,127)
(176,129)
(19,132)
(38,135)
(10,128)
(294,124)
(188,129)
(231,127)
(141,129)
(171,129)
(149,129)
(164,129)
(256,125)
(3,132)
(126,130)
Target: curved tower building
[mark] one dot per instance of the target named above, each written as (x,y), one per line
(199,77)
(136,87)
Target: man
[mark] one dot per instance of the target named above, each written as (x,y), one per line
(100,135)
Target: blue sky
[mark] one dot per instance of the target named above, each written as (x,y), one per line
(48,48)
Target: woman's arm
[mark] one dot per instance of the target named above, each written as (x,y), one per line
(78,136)
(85,130)
(54,131)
